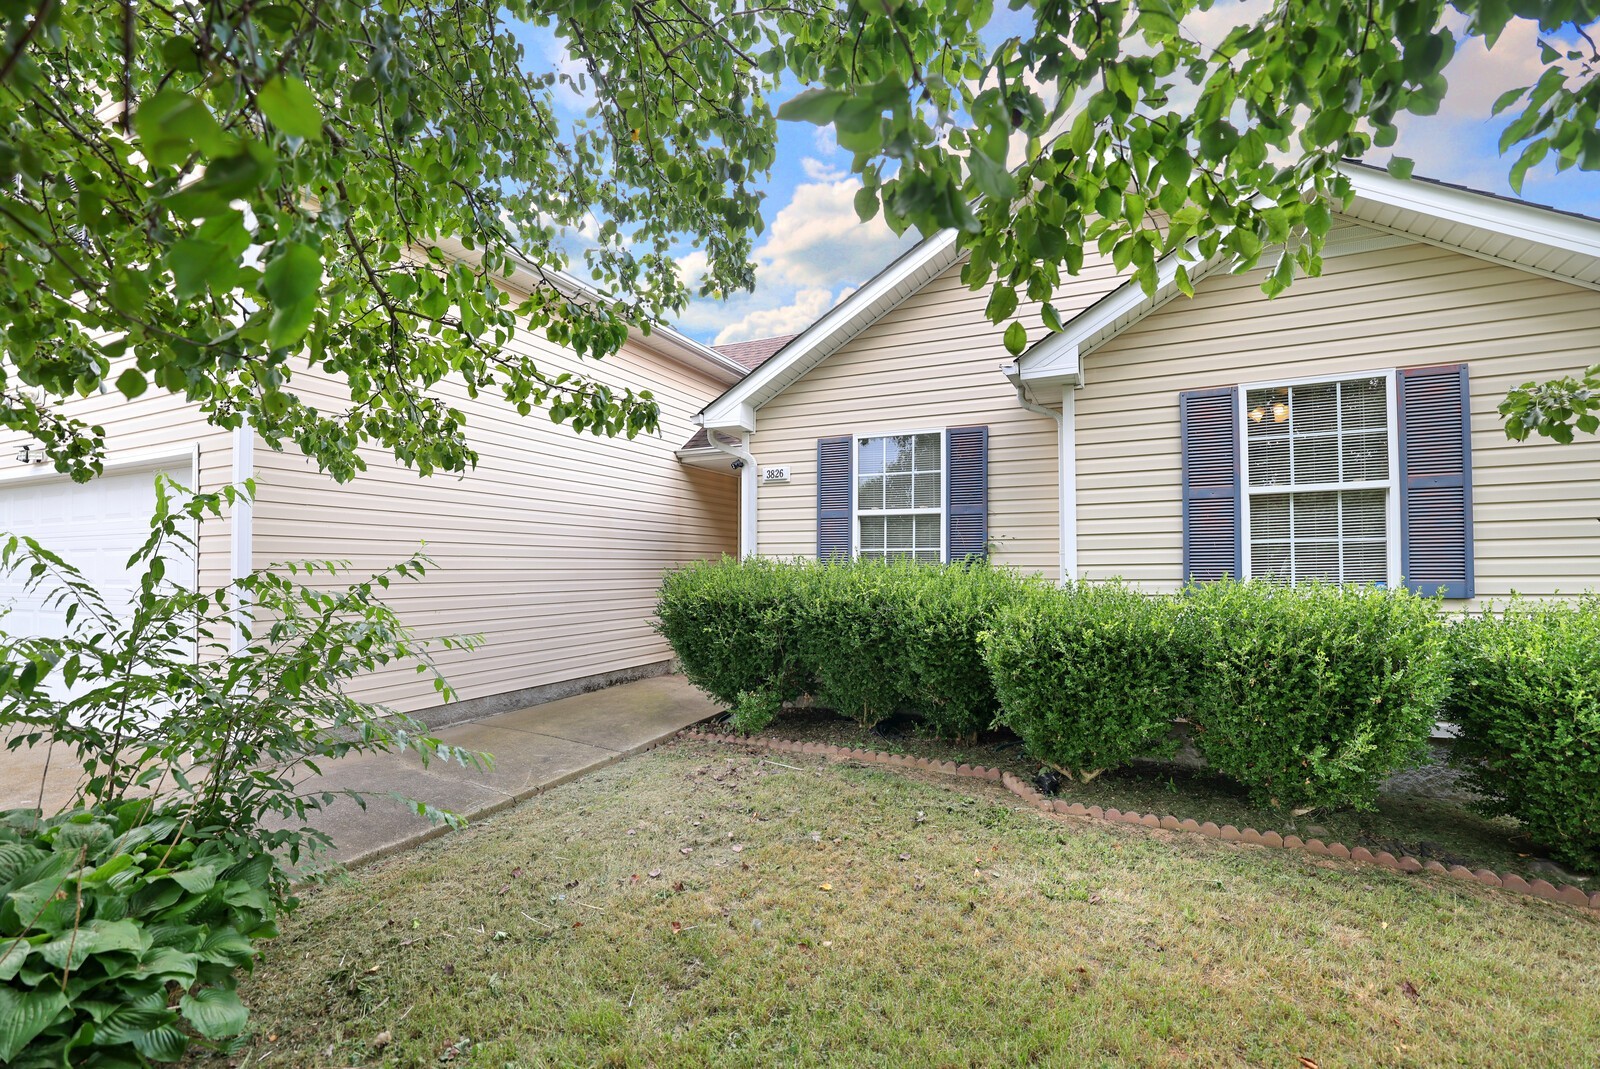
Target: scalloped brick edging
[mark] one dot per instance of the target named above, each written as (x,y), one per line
(1567,894)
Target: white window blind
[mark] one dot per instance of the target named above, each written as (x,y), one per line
(1319,482)
(900,496)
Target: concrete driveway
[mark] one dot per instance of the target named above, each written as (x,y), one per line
(533,749)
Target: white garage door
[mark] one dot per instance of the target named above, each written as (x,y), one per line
(94,526)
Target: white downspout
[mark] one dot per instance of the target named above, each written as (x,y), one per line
(1067,533)
(745,464)
(1069,484)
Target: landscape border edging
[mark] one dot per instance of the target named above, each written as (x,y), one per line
(1567,894)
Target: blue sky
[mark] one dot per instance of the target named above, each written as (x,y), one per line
(814,252)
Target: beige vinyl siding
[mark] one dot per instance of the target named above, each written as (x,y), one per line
(931,363)
(551,548)
(158,423)
(1536,504)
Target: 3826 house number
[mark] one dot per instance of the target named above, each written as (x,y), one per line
(774,473)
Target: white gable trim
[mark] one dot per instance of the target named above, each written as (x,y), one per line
(1572,243)
(735,410)
(1508,218)
(1058,358)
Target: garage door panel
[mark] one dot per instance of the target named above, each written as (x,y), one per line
(93,526)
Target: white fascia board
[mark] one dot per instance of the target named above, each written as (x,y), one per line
(677,347)
(1529,222)
(1057,359)
(735,409)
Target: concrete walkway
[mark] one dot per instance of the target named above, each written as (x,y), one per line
(533,749)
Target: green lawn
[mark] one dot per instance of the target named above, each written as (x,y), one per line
(840,915)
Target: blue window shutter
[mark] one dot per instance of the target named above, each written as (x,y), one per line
(967,492)
(833,498)
(1208,422)
(1435,481)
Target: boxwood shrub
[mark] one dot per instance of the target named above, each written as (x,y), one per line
(1091,676)
(1310,697)
(1526,697)
(939,626)
(735,628)
(864,638)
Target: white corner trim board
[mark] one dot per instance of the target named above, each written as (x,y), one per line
(241,544)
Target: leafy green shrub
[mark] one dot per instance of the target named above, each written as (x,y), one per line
(865,638)
(1310,697)
(120,937)
(223,735)
(939,625)
(1090,676)
(199,720)
(1526,697)
(849,637)
(734,628)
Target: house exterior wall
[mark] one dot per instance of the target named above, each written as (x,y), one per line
(155,424)
(933,362)
(1536,507)
(551,548)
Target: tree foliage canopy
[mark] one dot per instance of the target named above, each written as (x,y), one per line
(207,198)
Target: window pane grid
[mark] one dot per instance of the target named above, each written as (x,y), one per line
(1326,432)
(900,496)
(1318,481)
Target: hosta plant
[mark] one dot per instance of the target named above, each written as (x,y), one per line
(121,936)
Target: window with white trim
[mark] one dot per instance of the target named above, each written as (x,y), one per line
(899,498)
(1320,481)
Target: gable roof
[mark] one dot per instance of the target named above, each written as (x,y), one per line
(1518,234)
(752,354)
(914,269)
(1524,235)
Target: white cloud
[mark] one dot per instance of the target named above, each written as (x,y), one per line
(791,318)
(818,171)
(817,240)
(826,139)
(816,252)
(692,268)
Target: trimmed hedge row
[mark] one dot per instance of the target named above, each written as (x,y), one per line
(1526,697)
(1307,698)
(867,639)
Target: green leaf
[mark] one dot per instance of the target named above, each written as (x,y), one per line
(991,177)
(171,126)
(1002,302)
(1016,338)
(23,1015)
(13,952)
(228,947)
(866,203)
(1400,166)
(814,106)
(215,1013)
(164,1043)
(131,383)
(193,262)
(1506,99)
(1181,278)
(290,283)
(196,880)
(291,107)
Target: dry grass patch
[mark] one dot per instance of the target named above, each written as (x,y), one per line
(698,907)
